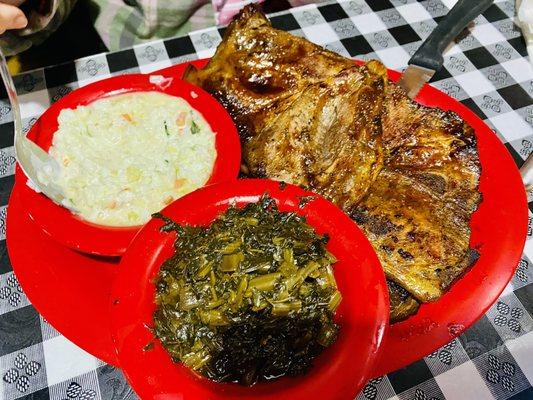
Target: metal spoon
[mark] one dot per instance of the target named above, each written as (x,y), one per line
(40,168)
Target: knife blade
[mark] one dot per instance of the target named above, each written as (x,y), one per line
(413,78)
(428,58)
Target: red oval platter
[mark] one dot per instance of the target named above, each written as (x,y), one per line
(70,289)
(338,373)
(73,231)
(498,228)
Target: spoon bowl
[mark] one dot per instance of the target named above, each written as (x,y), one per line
(40,168)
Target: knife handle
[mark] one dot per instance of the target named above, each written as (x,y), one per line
(429,55)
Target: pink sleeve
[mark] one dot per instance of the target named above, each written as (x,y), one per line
(226,9)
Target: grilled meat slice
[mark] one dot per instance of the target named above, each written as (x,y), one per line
(421,240)
(435,148)
(407,174)
(326,137)
(417,213)
(256,66)
(402,304)
(306,115)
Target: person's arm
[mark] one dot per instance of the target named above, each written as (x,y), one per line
(43,17)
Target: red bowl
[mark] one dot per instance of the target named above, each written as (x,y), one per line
(338,373)
(73,231)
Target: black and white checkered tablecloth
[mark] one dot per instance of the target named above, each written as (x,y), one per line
(487,69)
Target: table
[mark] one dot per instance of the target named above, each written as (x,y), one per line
(486,69)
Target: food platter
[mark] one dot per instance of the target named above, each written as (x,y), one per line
(59,282)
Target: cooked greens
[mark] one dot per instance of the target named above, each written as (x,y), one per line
(248,298)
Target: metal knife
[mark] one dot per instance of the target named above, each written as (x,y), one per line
(428,58)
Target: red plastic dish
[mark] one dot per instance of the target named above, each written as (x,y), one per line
(70,289)
(499,226)
(338,373)
(74,232)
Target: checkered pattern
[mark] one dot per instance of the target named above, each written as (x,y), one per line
(486,69)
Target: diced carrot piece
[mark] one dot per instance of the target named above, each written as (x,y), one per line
(168,200)
(127,117)
(180,182)
(180,121)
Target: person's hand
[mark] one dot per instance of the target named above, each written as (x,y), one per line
(11,17)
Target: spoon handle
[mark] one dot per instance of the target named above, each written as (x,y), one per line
(13,99)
